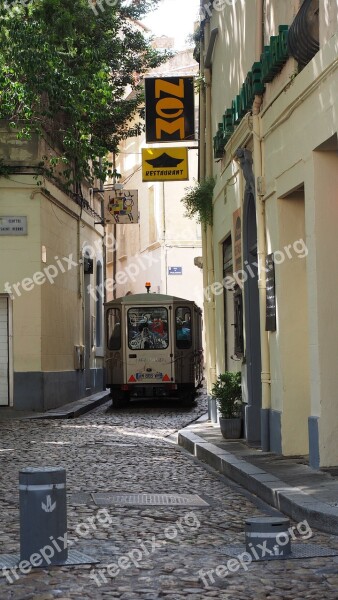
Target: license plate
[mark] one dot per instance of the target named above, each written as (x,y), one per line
(149,375)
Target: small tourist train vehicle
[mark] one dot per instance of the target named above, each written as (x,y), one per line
(153,348)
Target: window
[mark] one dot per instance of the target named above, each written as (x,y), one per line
(148,328)
(114,329)
(183,327)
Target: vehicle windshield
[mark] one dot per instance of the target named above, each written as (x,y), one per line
(148,328)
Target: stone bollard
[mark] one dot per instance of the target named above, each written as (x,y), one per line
(43,516)
(267,537)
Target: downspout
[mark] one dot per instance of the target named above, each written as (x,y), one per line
(164,239)
(201,164)
(209,232)
(261,246)
(114,233)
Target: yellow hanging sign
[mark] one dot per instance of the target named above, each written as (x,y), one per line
(165,164)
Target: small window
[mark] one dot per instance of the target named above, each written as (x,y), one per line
(148,328)
(114,329)
(183,328)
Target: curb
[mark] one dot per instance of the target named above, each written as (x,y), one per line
(75,409)
(289,500)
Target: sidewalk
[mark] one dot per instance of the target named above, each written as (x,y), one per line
(66,411)
(286,483)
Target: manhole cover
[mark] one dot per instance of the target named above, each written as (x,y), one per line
(105,499)
(8,561)
(298,550)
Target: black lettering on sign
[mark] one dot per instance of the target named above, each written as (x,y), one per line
(170,112)
(270,324)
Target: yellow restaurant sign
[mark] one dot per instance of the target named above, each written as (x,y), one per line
(165,164)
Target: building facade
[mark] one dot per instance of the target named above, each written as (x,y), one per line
(269,107)
(52,251)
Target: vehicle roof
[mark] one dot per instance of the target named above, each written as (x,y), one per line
(147,299)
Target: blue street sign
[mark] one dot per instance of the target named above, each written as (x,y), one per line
(175,270)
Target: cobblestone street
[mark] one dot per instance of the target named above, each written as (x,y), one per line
(145,552)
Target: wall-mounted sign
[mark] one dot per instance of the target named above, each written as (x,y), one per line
(165,164)
(270,324)
(13,226)
(170,113)
(175,270)
(121,206)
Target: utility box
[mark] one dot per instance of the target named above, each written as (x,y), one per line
(79,352)
(43,516)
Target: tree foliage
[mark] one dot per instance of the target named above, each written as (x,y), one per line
(65,66)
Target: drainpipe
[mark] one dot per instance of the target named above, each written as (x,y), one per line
(164,240)
(261,247)
(114,233)
(201,148)
(209,231)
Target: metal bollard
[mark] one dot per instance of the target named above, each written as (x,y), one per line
(268,537)
(43,516)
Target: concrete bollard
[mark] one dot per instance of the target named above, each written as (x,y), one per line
(43,515)
(268,537)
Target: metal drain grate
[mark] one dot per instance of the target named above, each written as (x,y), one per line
(8,561)
(298,550)
(106,499)
(80,498)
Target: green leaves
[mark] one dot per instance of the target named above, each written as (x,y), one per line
(228,392)
(198,200)
(64,73)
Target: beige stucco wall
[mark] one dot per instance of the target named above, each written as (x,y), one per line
(327,20)
(300,120)
(20,259)
(298,116)
(62,321)
(233,56)
(47,316)
(325,335)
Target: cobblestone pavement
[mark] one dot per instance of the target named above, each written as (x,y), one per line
(145,552)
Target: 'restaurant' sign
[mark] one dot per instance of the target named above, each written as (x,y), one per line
(165,164)
(170,113)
